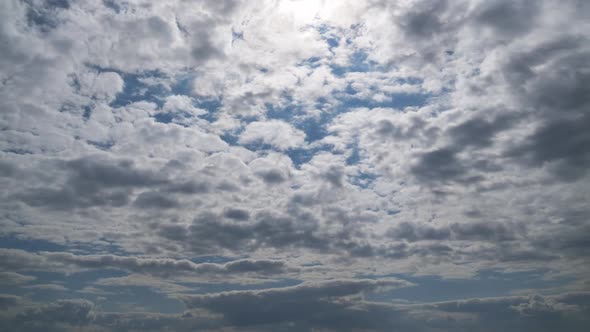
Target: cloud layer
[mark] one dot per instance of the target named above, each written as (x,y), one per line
(294,165)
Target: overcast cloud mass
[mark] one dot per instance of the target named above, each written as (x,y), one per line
(295,165)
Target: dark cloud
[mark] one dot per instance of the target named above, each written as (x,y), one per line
(156,200)
(7,169)
(444,164)
(483,231)
(520,313)
(204,46)
(74,312)
(96,181)
(189,187)
(236,214)
(551,77)
(478,106)
(9,301)
(68,198)
(413,232)
(45,15)
(416,127)
(551,82)
(440,165)
(478,132)
(272,176)
(334,175)
(425,21)
(329,306)
(92,171)
(83,315)
(312,305)
(210,233)
(563,145)
(508,18)
(473,231)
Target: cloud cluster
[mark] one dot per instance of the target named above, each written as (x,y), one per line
(273,166)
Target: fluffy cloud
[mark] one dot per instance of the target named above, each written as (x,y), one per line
(223,151)
(277,134)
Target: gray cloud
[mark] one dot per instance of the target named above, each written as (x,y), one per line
(272,176)
(12,278)
(309,305)
(326,306)
(440,166)
(560,144)
(236,214)
(156,200)
(9,301)
(508,18)
(313,140)
(92,181)
(20,260)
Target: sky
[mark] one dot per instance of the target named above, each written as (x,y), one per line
(295,165)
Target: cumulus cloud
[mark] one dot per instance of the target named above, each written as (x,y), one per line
(226,151)
(277,134)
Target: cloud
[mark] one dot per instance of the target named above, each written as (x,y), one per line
(303,305)
(225,150)
(56,261)
(8,301)
(277,134)
(12,278)
(236,214)
(327,306)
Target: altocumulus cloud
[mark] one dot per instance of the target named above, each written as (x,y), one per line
(294,165)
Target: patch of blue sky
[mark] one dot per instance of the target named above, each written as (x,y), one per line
(349,99)
(363,180)
(211,105)
(329,35)
(36,245)
(313,127)
(102,145)
(112,4)
(18,151)
(87,112)
(236,35)
(135,90)
(333,42)
(358,62)
(299,156)
(230,138)
(14,242)
(486,283)
(397,101)
(302,156)
(355,155)
(313,62)
(183,84)
(129,297)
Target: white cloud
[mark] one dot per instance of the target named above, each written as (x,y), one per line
(278,134)
(415,137)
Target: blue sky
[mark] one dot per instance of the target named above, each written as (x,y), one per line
(294,165)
